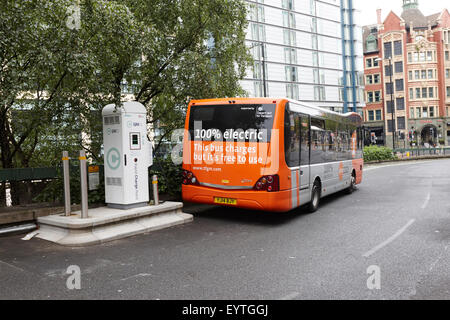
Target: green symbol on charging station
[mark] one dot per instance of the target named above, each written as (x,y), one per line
(113,158)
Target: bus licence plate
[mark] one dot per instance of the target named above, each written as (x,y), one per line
(225,201)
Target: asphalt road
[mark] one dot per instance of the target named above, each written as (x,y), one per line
(398,221)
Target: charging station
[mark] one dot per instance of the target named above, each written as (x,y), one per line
(128,154)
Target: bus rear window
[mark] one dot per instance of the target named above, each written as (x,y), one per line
(237,122)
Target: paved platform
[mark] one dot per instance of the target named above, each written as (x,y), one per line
(107,224)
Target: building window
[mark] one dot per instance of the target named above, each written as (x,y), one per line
(431,109)
(429,55)
(399,85)
(430,74)
(370,97)
(387,50)
(400,102)
(430,92)
(398,48)
(424,74)
(390,106)
(447,73)
(417,74)
(291,73)
(288,4)
(377,96)
(399,67)
(401,123)
(390,126)
(418,112)
(422,56)
(448,92)
(410,75)
(371,116)
(388,70)
(447,55)
(409,57)
(378,115)
(417,93)
(425,112)
(411,94)
(411,112)
(424,93)
(416,57)
(389,88)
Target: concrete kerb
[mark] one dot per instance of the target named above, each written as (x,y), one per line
(106,224)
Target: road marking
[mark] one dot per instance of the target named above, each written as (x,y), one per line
(11,266)
(394,165)
(389,240)
(426,201)
(291,296)
(136,276)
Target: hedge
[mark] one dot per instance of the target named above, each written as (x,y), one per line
(375,153)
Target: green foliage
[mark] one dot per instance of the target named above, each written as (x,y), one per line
(54,191)
(375,153)
(169,176)
(55,79)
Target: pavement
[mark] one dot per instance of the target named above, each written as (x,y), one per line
(397,223)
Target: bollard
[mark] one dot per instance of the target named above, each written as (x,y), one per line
(83,180)
(155,189)
(65,160)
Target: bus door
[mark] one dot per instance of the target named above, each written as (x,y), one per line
(305,145)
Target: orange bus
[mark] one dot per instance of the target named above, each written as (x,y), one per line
(268,154)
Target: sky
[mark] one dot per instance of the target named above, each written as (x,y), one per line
(368,8)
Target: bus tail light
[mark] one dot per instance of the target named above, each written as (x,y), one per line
(268,183)
(189,178)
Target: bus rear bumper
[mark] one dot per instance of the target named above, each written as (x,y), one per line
(253,200)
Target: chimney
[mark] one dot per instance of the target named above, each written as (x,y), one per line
(378,16)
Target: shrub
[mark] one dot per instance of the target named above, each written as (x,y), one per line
(169,176)
(375,153)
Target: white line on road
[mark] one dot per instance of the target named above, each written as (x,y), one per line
(389,240)
(395,165)
(291,296)
(11,266)
(426,201)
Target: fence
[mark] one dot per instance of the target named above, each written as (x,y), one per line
(24,186)
(422,152)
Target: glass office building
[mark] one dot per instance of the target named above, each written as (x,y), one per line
(308,50)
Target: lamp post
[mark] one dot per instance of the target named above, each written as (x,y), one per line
(392,100)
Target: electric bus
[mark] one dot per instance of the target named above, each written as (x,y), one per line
(268,154)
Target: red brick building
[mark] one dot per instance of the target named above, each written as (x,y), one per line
(407,78)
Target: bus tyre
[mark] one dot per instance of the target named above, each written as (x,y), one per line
(352,185)
(315,197)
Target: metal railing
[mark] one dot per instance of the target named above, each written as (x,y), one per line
(421,152)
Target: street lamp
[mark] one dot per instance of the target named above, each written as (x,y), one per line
(392,99)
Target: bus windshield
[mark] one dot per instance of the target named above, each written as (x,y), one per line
(232,122)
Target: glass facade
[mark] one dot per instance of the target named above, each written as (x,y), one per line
(308,50)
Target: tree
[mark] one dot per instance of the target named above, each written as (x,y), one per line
(55,78)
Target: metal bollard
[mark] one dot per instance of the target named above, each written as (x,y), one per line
(65,160)
(155,189)
(83,180)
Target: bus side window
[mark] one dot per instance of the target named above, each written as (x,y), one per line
(292,139)
(304,146)
(318,141)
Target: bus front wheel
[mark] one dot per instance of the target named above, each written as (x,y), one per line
(315,197)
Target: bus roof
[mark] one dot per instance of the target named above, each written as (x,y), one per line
(306,108)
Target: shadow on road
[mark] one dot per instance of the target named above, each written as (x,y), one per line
(252,217)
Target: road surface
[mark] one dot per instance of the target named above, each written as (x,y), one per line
(397,223)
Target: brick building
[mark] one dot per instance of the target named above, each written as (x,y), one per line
(407,78)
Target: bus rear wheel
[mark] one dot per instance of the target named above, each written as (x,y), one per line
(315,197)
(352,185)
